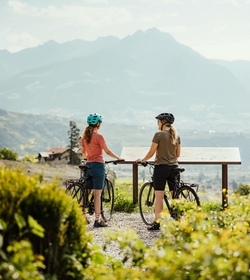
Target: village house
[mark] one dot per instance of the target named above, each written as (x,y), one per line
(58,155)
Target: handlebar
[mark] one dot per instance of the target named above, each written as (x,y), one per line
(145,163)
(113,161)
(106,162)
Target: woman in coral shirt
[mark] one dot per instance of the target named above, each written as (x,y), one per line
(93,145)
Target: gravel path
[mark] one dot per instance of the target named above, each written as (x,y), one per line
(122,221)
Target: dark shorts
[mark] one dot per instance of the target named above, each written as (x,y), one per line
(163,174)
(97,173)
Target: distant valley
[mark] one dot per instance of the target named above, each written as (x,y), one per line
(32,134)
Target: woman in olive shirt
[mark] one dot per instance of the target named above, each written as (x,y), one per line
(166,146)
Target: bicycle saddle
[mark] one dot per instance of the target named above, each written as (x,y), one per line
(83,167)
(178,169)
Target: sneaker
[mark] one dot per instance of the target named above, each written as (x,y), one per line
(100,224)
(155,226)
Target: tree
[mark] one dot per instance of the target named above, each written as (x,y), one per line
(6,153)
(74,141)
(243,189)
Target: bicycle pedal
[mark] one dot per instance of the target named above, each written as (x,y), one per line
(148,203)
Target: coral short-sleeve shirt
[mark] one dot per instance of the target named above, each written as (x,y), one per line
(94,150)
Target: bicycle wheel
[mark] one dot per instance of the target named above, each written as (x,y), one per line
(107,200)
(147,203)
(75,191)
(188,194)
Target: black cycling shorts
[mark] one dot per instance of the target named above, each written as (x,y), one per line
(163,174)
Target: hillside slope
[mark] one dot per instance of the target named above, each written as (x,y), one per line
(32,134)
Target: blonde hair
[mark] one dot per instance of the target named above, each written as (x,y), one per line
(173,133)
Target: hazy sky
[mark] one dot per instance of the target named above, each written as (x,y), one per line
(218,29)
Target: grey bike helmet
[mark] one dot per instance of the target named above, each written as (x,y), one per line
(166,116)
(94,119)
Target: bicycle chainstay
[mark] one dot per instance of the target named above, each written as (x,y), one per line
(191,185)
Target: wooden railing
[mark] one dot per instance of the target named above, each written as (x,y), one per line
(223,156)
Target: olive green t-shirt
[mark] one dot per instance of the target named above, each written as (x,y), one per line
(166,151)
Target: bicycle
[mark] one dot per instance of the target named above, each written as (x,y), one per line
(77,189)
(182,190)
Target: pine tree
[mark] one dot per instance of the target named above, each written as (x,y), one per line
(74,141)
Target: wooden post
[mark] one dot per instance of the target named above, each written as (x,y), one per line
(135,183)
(224,186)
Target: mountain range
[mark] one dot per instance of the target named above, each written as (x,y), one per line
(128,81)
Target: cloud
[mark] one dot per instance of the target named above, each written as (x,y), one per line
(160,2)
(67,85)
(14,96)
(22,41)
(87,74)
(154,93)
(96,1)
(36,75)
(34,86)
(5,31)
(232,2)
(74,15)
(131,73)
(21,8)
(108,80)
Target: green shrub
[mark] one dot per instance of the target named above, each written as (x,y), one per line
(29,207)
(5,153)
(30,158)
(123,203)
(18,260)
(243,189)
(204,244)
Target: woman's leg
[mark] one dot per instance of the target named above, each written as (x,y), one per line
(97,204)
(97,172)
(159,195)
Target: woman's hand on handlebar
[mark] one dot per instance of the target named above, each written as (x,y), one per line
(139,160)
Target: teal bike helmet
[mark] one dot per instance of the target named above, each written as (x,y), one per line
(94,119)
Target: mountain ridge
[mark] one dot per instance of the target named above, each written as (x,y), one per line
(130,80)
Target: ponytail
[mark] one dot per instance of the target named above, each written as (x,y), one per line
(87,134)
(173,132)
(174,135)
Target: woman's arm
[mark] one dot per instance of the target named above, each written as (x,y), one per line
(150,153)
(84,152)
(111,154)
(178,150)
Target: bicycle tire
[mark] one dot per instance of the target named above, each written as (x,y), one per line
(147,203)
(107,200)
(75,191)
(187,193)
